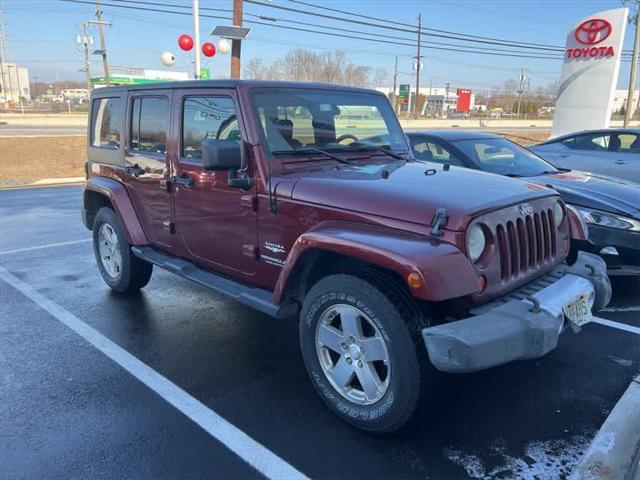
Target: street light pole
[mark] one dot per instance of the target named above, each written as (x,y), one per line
(196,36)
(86,40)
(236,43)
(628,113)
(418,62)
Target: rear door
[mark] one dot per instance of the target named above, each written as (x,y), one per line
(625,152)
(146,162)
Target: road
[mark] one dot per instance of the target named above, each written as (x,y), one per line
(41,130)
(73,407)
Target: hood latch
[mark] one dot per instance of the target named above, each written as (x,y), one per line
(439,221)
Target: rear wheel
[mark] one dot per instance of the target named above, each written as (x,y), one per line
(120,269)
(359,352)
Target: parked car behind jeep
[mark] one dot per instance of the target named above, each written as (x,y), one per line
(304,200)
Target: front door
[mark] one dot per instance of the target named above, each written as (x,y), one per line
(216,225)
(146,164)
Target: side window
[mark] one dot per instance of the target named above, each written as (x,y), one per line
(596,142)
(106,122)
(149,123)
(627,143)
(434,152)
(207,118)
(569,142)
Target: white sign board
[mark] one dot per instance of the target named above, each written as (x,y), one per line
(590,72)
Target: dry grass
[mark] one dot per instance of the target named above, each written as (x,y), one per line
(27,159)
(525,137)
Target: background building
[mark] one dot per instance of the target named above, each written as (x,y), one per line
(14,83)
(620,101)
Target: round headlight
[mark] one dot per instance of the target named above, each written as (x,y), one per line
(476,242)
(558,213)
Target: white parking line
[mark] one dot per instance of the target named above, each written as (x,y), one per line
(40,247)
(618,325)
(259,457)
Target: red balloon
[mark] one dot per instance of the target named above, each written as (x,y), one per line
(185,42)
(208,49)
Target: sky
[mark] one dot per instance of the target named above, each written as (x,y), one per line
(40,35)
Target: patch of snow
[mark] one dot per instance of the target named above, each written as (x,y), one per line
(542,460)
(621,361)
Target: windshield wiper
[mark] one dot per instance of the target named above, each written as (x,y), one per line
(378,149)
(308,150)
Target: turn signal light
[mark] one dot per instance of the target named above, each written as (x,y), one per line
(482,282)
(414,280)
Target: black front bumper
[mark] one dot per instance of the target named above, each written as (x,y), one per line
(626,243)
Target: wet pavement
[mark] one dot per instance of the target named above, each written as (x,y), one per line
(69,410)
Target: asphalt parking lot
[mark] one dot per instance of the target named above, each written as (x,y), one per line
(70,410)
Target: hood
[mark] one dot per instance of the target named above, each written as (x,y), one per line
(595,191)
(413,191)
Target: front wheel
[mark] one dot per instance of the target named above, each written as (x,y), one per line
(358,350)
(120,269)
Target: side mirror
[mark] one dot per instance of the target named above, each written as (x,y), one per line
(221,155)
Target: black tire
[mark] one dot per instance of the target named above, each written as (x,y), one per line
(133,273)
(387,308)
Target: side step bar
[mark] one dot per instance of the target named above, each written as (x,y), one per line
(257,298)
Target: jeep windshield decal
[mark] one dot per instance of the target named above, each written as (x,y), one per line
(306,121)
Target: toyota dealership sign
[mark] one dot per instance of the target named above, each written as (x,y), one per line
(590,72)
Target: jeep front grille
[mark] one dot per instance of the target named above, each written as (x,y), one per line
(526,242)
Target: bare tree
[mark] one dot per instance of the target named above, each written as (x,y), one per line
(307,66)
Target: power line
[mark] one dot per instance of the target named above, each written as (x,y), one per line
(513,43)
(355,37)
(397,41)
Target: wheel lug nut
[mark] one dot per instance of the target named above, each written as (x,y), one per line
(360,364)
(343,346)
(352,340)
(349,360)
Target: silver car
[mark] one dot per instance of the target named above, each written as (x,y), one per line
(614,152)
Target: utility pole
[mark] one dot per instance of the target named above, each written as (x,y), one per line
(4,61)
(103,47)
(520,90)
(628,114)
(236,43)
(196,36)
(418,58)
(86,40)
(395,82)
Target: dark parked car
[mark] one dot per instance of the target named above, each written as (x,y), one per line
(612,151)
(284,197)
(609,206)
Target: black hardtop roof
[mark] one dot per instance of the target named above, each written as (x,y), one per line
(105,91)
(454,134)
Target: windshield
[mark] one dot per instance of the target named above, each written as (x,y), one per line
(300,120)
(497,155)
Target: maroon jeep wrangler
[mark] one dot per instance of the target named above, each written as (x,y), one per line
(304,200)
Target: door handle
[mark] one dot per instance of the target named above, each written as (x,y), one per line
(136,171)
(619,162)
(184,181)
(564,155)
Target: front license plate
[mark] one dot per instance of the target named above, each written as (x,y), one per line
(578,311)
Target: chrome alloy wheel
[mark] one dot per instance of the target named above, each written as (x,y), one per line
(353,354)
(109,250)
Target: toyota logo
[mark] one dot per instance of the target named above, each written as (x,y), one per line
(593,31)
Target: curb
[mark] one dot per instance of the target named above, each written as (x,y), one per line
(615,450)
(56,181)
(47,182)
